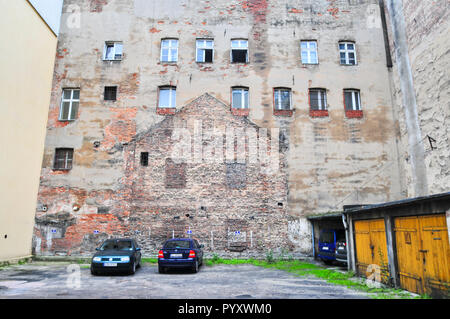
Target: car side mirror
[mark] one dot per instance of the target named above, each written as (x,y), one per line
(97,248)
(138,249)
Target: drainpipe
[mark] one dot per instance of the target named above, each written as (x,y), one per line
(344,221)
(313,243)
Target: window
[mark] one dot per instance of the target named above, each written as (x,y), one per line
(169,50)
(318,99)
(239,51)
(347,53)
(205,51)
(110,93)
(282,99)
(69,104)
(309,52)
(144,158)
(63,158)
(113,51)
(239,98)
(352,100)
(167,97)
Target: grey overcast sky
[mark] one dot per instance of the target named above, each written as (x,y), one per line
(50,11)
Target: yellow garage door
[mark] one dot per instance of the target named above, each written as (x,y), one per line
(371,248)
(423,254)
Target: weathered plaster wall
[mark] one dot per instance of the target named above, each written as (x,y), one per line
(331,161)
(419,38)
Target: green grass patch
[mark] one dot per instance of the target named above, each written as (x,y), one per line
(149,260)
(301,268)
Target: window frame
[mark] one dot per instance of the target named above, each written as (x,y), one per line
(105,50)
(239,48)
(115,96)
(346,51)
(322,93)
(171,89)
(242,89)
(66,159)
(197,48)
(358,94)
(309,50)
(275,106)
(169,48)
(71,101)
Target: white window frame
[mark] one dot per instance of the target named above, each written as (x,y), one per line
(322,94)
(243,104)
(356,97)
(172,98)
(277,91)
(308,50)
(346,51)
(115,45)
(203,46)
(71,100)
(169,44)
(242,45)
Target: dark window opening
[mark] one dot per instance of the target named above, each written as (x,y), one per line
(63,158)
(110,93)
(239,56)
(144,158)
(208,55)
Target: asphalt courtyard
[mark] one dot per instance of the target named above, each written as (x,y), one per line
(65,281)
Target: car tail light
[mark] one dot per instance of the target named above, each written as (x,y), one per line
(192,254)
(160,254)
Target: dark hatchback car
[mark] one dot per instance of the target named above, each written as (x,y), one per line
(116,255)
(180,253)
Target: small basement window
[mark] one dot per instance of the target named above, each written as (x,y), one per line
(110,93)
(205,51)
(239,51)
(63,159)
(144,158)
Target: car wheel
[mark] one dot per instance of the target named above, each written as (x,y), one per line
(93,272)
(195,268)
(327,262)
(161,270)
(133,268)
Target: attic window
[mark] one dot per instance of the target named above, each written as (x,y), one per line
(239,51)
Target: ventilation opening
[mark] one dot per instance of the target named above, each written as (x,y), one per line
(144,158)
(110,93)
(280,204)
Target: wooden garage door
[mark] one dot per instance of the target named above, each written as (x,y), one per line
(371,248)
(423,254)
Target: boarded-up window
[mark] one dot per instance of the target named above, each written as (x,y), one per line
(236,175)
(175,174)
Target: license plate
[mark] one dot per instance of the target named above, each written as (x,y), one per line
(325,248)
(176,255)
(341,248)
(110,264)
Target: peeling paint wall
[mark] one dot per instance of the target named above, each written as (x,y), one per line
(419,34)
(331,161)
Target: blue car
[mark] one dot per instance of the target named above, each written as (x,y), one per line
(180,253)
(327,244)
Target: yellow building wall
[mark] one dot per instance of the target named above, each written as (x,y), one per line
(27,53)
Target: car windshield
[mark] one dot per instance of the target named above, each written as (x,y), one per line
(177,244)
(117,245)
(327,237)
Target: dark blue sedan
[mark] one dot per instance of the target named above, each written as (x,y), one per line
(180,253)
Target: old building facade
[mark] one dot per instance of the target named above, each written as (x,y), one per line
(130,73)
